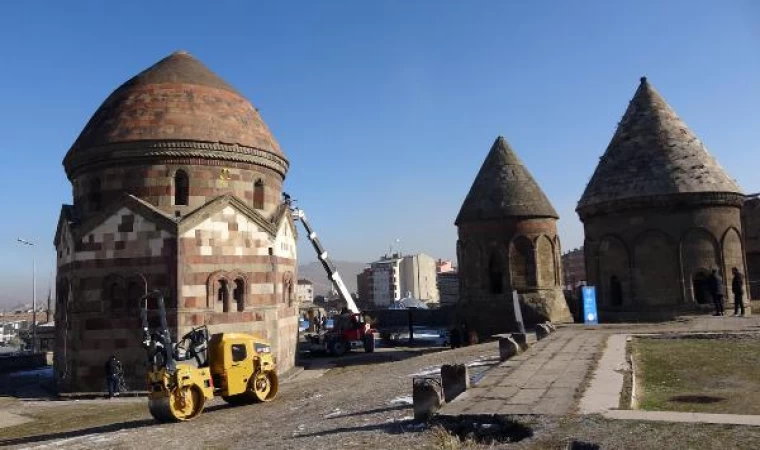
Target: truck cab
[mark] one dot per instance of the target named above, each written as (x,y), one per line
(242,367)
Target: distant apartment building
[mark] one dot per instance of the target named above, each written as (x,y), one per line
(393,277)
(443,266)
(574,268)
(364,288)
(418,278)
(304,291)
(386,286)
(448,287)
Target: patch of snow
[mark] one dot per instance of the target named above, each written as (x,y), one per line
(399,419)
(402,400)
(335,413)
(427,371)
(480,363)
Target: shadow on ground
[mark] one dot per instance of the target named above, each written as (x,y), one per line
(371,411)
(79,433)
(395,427)
(28,385)
(308,360)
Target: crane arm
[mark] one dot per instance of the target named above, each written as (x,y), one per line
(332,271)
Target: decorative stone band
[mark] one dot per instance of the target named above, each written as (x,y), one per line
(113,154)
(681,200)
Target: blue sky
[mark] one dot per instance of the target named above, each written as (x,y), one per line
(385,109)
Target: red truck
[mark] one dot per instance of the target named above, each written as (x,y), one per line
(349,331)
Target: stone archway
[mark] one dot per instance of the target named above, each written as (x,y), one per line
(733,256)
(614,272)
(559,270)
(655,267)
(700,289)
(522,263)
(699,253)
(497,270)
(546,262)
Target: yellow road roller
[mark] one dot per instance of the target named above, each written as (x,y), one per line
(238,367)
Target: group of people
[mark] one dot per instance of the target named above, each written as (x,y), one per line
(461,336)
(715,283)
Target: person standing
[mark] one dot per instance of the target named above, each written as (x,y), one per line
(716,290)
(113,372)
(737,287)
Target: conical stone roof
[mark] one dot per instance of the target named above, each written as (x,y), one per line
(653,153)
(504,188)
(178,99)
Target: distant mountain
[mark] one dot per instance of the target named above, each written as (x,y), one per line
(315,273)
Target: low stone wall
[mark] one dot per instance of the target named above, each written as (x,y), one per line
(24,361)
(390,318)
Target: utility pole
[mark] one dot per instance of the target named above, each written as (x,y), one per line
(34,294)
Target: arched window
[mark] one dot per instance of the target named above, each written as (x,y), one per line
(181,188)
(287,288)
(523,263)
(135,290)
(113,292)
(61,301)
(223,295)
(258,194)
(239,294)
(94,194)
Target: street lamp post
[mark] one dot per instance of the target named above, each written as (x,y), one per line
(34,295)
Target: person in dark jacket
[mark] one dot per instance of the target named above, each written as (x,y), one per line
(737,287)
(455,339)
(716,291)
(113,373)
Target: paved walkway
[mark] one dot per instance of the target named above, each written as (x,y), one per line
(543,380)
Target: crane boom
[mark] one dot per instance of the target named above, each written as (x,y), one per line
(332,271)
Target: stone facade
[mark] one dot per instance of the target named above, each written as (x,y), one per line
(177,186)
(574,265)
(751,224)
(508,241)
(659,213)
(448,287)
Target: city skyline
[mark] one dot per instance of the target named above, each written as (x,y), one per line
(385,113)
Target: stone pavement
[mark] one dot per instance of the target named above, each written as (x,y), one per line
(543,380)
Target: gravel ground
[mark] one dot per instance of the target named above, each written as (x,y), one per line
(359,404)
(365,402)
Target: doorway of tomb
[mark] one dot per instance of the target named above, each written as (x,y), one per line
(701,288)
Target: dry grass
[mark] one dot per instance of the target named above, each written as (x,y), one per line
(699,375)
(64,419)
(440,439)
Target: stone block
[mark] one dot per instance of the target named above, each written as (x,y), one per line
(427,397)
(551,326)
(542,331)
(524,340)
(508,348)
(455,379)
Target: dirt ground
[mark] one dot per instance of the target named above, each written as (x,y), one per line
(363,402)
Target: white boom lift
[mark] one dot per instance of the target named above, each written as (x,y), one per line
(332,271)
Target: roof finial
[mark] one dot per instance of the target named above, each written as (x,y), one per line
(643,80)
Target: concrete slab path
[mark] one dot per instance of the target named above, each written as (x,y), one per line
(669,416)
(604,390)
(543,380)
